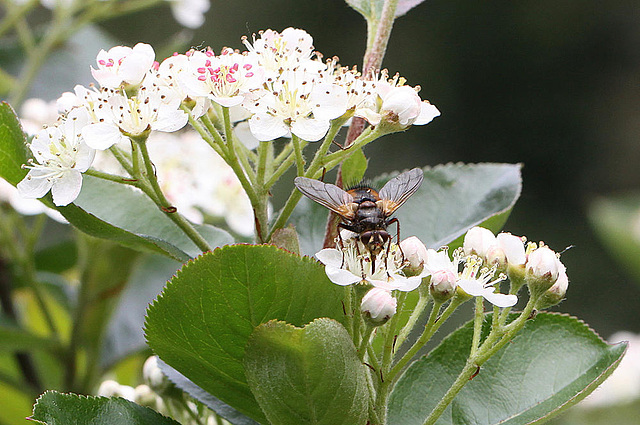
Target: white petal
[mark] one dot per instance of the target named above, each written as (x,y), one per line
(310,129)
(67,188)
(33,186)
(170,120)
(329,101)
(472,287)
(330,257)
(427,113)
(501,300)
(85,157)
(340,276)
(266,127)
(101,135)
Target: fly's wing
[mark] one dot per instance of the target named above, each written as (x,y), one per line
(328,195)
(399,189)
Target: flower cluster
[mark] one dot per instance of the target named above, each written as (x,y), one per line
(476,270)
(159,394)
(278,87)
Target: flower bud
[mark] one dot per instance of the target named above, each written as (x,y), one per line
(378,305)
(153,376)
(442,285)
(415,253)
(477,241)
(513,248)
(110,388)
(556,293)
(145,396)
(496,255)
(542,269)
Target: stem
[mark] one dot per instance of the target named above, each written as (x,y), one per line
(375,53)
(165,205)
(494,342)
(477,325)
(423,301)
(263,153)
(433,324)
(364,343)
(111,177)
(298,150)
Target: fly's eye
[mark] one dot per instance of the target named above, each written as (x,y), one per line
(365,237)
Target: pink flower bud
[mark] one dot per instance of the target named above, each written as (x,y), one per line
(556,293)
(443,285)
(513,248)
(415,253)
(543,263)
(378,305)
(477,241)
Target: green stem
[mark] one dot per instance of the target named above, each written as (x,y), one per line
(282,168)
(364,343)
(111,177)
(433,324)
(421,305)
(297,148)
(477,325)
(166,206)
(263,154)
(492,344)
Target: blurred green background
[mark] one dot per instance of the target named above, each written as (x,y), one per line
(551,84)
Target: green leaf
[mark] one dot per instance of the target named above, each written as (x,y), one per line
(554,362)
(353,168)
(53,408)
(202,321)
(185,384)
(114,211)
(309,375)
(13,150)
(58,257)
(616,221)
(452,199)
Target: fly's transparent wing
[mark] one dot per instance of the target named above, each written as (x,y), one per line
(399,189)
(328,195)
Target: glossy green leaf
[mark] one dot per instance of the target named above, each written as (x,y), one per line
(202,321)
(53,408)
(353,168)
(224,410)
(616,221)
(130,209)
(554,362)
(309,375)
(452,199)
(13,150)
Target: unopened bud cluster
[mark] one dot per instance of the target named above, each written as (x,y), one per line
(159,394)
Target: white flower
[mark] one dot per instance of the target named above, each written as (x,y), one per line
(225,79)
(393,101)
(414,252)
(295,103)
(379,304)
(353,264)
(472,279)
(189,13)
(132,117)
(278,52)
(62,156)
(122,64)
(479,283)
